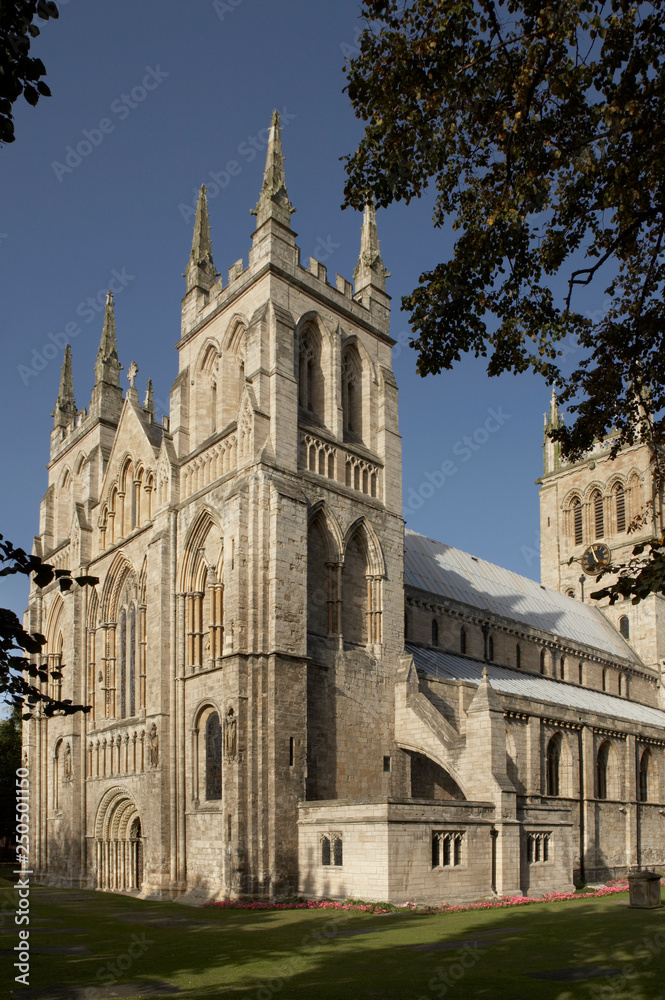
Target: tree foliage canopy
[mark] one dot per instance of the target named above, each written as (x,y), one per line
(543,130)
(14,639)
(20,73)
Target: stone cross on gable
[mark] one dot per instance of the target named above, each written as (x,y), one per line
(132,373)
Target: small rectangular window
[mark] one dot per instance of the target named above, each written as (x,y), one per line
(386,765)
(538,847)
(447,848)
(292,744)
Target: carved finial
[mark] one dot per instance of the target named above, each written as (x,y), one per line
(201,271)
(369,269)
(65,406)
(149,401)
(107,365)
(274,201)
(132,373)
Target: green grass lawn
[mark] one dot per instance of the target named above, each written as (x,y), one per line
(310,954)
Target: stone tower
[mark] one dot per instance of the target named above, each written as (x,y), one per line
(600,499)
(239,651)
(284,431)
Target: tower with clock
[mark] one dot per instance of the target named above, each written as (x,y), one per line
(592,514)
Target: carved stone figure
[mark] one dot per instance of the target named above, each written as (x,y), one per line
(230,737)
(153,750)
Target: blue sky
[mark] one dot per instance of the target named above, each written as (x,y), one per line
(162,97)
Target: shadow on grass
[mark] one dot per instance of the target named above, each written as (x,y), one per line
(212,952)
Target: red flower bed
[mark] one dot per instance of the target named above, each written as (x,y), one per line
(491,904)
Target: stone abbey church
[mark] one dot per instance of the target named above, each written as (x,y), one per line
(289,693)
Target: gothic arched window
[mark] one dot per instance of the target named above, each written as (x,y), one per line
(576,509)
(65,507)
(643,783)
(361,593)
(562,668)
(310,376)
(601,769)
(552,765)
(624,626)
(620,507)
(127,651)
(352,403)
(598,518)
(213,757)
(113,529)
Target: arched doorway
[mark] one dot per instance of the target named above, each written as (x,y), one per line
(118,843)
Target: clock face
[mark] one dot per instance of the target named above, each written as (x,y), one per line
(596,558)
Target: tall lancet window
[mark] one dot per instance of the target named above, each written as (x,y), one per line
(213,757)
(598,517)
(213,407)
(620,507)
(127,650)
(122,629)
(352,403)
(310,376)
(576,510)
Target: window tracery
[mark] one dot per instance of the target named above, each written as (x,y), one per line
(352,401)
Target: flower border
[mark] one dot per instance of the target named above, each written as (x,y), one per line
(611,889)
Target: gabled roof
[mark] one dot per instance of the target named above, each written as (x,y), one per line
(132,413)
(507,681)
(440,569)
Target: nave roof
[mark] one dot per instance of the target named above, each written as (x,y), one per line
(441,569)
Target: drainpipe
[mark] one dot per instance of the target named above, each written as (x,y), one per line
(494,833)
(581,769)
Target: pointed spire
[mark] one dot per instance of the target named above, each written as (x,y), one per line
(107,366)
(553,418)
(485,699)
(149,401)
(201,245)
(201,271)
(370,269)
(65,407)
(274,201)
(552,449)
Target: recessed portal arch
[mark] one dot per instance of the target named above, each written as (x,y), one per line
(118,842)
